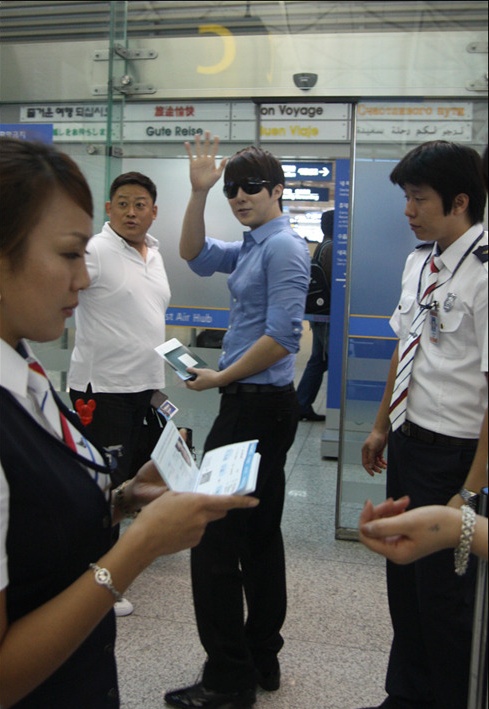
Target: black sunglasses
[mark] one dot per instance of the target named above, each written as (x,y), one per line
(251,186)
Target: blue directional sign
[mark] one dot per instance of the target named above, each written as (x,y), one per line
(214,318)
(28,131)
(308,171)
(305,194)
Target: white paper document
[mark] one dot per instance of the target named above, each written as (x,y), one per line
(229,470)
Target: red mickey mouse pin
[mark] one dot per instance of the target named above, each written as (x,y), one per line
(85,410)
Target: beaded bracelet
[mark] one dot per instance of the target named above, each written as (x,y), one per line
(466,535)
(120,501)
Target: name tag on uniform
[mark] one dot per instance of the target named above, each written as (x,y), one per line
(434,316)
(449,302)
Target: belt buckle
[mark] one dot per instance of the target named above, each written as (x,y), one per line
(422,434)
(229,389)
(406,428)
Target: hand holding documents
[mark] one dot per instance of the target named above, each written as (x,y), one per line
(180,358)
(229,470)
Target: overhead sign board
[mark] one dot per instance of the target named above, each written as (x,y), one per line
(40,132)
(308,171)
(305,194)
(414,121)
(176,122)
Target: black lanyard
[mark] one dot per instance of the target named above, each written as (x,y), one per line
(438,285)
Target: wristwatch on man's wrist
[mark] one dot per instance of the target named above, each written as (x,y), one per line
(469,497)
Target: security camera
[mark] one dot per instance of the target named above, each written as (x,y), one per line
(305,80)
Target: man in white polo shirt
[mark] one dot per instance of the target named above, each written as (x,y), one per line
(119,322)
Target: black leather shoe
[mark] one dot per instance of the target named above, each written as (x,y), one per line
(198,697)
(388,703)
(269,681)
(312,416)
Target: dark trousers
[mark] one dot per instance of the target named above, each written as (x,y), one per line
(316,366)
(431,607)
(118,421)
(244,551)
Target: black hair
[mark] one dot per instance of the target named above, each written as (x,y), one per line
(255,162)
(448,168)
(327,222)
(30,172)
(134,178)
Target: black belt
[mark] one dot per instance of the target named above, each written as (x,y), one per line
(238,388)
(422,434)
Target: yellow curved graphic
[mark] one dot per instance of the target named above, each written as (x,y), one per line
(229,52)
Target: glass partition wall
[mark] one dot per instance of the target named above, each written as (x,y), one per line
(92,133)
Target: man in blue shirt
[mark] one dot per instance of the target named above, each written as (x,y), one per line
(269,276)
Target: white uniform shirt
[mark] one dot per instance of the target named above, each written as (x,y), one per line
(120,318)
(14,374)
(448,389)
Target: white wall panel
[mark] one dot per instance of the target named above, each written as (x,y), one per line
(409,64)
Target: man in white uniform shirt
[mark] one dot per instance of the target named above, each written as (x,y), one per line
(119,321)
(434,417)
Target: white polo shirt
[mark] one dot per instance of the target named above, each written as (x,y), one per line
(120,318)
(448,388)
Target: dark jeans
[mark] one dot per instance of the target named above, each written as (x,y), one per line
(118,421)
(431,607)
(244,551)
(316,366)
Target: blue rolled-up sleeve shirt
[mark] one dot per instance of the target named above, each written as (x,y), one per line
(269,277)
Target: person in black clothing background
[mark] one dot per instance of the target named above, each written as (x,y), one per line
(317,364)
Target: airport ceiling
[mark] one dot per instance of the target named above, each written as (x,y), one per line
(37,21)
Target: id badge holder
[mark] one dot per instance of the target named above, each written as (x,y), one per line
(434,316)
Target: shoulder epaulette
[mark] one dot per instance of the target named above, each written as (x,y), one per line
(481,253)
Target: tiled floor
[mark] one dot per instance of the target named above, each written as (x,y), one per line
(337,632)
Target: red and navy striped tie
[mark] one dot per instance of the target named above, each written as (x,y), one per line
(398,405)
(39,385)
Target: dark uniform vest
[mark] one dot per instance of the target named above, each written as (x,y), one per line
(59,522)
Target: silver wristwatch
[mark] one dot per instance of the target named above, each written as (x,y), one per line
(469,497)
(103,578)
